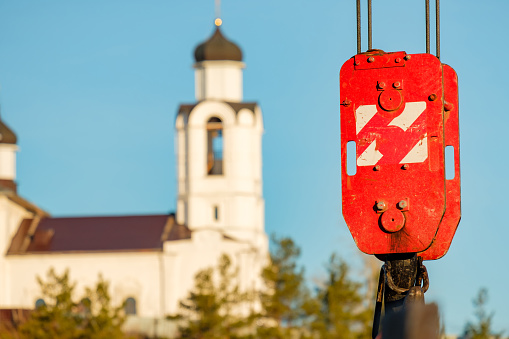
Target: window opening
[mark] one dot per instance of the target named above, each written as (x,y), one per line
(39,303)
(130,306)
(214,146)
(216,213)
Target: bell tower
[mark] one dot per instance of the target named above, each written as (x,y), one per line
(219,149)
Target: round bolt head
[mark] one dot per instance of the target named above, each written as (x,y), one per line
(398,60)
(376,168)
(357,62)
(432,97)
(402,204)
(392,220)
(405,166)
(397,84)
(381,85)
(448,106)
(408,57)
(380,205)
(371,59)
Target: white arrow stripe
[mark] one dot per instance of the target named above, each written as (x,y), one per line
(418,153)
(363,114)
(370,156)
(411,112)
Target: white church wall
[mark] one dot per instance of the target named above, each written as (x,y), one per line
(8,161)
(130,274)
(201,252)
(220,80)
(11,216)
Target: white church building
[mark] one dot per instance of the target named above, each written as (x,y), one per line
(151,260)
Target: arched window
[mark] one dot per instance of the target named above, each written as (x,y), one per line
(130,306)
(39,303)
(214,146)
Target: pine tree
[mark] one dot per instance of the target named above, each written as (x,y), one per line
(343,313)
(61,316)
(482,329)
(216,308)
(286,301)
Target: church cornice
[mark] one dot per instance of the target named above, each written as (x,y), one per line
(186,109)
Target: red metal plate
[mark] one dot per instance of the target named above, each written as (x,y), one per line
(452,214)
(399,154)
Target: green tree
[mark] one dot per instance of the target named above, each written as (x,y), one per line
(63,317)
(286,301)
(343,311)
(216,308)
(482,328)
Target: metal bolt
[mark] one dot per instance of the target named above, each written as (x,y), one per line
(408,57)
(376,168)
(398,60)
(380,205)
(357,62)
(402,204)
(371,59)
(381,85)
(397,84)
(432,97)
(346,102)
(405,166)
(448,106)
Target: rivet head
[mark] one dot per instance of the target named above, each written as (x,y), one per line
(398,60)
(397,84)
(408,57)
(357,62)
(371,59)
(432,97)
(402,204)
(376,168)
(380,205)
(347,102)
(381,85)
(448,106)
(405,166)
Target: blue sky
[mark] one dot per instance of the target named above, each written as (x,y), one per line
(92,88)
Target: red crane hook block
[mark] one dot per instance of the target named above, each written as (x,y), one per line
(392,107)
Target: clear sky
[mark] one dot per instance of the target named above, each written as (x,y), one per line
(92,89)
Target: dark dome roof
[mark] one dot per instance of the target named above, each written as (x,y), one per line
(7,136)
(217,47)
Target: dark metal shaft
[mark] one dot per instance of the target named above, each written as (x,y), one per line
(438,27)
(427,28)
(370,35)
(358,26)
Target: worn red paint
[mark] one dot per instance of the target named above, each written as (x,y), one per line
(452,215)
(396,116)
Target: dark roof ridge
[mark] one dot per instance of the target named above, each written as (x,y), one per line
(112,216)
(135,233)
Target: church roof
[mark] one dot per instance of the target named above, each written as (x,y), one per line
(7,136)
(97,234)
(236,106)
(217,47)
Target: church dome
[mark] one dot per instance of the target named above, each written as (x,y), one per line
(217,47)
(7,136)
